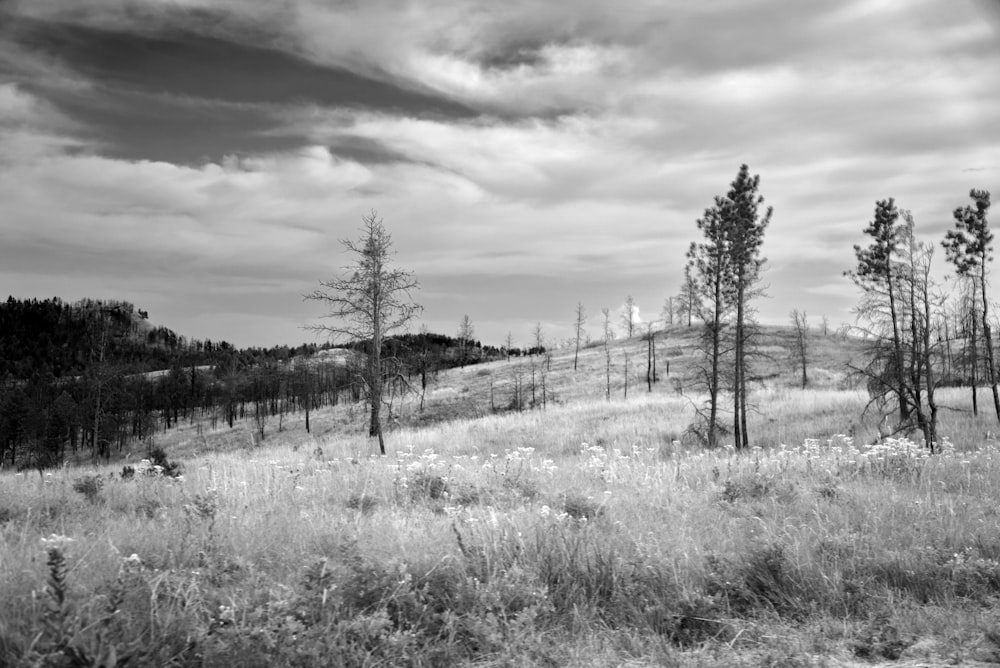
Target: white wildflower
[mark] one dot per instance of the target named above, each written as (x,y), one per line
(56,541)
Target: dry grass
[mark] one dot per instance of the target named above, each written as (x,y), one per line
(592,533)
(587,520)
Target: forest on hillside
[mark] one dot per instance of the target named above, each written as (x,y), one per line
(93,377)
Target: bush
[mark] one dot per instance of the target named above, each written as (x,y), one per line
(90,486)
(425,485)
(367,612)
(762,579)
(581,507)
(363,502)
(756,487)
(167,468)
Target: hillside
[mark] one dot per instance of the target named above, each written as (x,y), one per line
(585,534)
(489,389)
(467,391)
(94,378)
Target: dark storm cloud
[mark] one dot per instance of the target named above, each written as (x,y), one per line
(181,96)
(134,126)
(365,150)
(190,64)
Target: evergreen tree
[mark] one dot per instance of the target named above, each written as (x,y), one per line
(970,248)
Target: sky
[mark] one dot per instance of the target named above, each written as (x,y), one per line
(202,159)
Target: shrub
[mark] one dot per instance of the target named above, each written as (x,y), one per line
(756,486)
(114,626)
(167,468)
(148,508)
(581,507)
(466,494)
(425,485)
(90,486)
(880,640)
(698,619)
(363,502)
(524,487)
(760,579)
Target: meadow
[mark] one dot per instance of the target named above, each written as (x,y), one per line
(590,533)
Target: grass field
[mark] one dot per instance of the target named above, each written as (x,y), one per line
(593,533)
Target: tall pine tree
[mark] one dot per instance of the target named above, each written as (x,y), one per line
(724,270)
(970,248)
(742,217)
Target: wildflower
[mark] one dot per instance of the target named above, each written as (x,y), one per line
(56,541)
(133,560)
(226,614)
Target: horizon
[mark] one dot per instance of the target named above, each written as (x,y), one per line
(203,159)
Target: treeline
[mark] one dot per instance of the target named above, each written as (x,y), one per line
(44,420)
(50,336)
(447,351)
(92,378)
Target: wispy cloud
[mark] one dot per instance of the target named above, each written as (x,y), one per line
(526,155)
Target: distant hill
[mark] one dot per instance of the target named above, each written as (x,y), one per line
(95,376)
(533,382)
(50,336)
(518,384)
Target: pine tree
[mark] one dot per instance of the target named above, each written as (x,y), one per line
(970,248)
(746,226)
(876,274)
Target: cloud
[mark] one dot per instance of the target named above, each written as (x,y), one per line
(525,155)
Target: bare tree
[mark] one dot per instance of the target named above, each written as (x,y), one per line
(517,379)
(367,303)
(824,326)
(626,371)
(466,333)
(667,315)
(688,302)
(628,316)
(609,334)
(923,349)
(581,318)
(966,327)
(423,361)
(898,322)
(650,356)
(800,327)
(509,344)
(539,336)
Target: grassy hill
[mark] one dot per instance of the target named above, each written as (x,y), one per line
(830,406)
(591,533)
